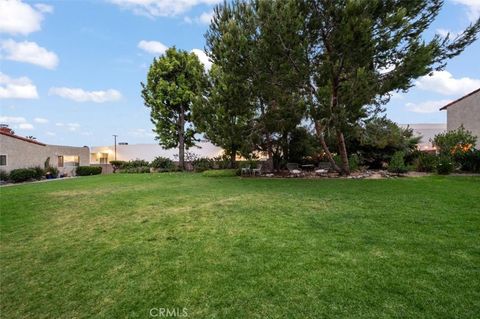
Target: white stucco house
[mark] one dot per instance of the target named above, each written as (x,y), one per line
(105,154)
(465,111)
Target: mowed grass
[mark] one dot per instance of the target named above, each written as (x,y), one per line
(117,246)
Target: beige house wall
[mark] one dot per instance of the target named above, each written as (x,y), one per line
(23,154)
(465,112)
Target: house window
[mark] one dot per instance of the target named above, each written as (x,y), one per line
(103,158)
(60,161)
(3,160)
(71,160)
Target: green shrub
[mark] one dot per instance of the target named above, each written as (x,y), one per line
(3,175)
(117,164)
(454,141)
(426,162)
(397,163)
(221,162)
(220,173)
(88,170)
(354,162)
(444,165)
(202,164)
(136,170)
(469,161)
(39,172)
(163,163)
(52,171)
(22,175)
(135,163)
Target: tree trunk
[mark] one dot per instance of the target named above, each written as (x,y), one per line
(321,138)
(233,160)
(269,162)
(181,139)
(342,148)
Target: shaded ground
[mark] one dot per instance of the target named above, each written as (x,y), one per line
(116,246)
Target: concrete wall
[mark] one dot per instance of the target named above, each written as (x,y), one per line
(466,112)
(427,131)
(23,154)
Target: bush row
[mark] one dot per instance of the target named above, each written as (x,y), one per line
(27,174)
(164,164)
(88,170)
(444,164)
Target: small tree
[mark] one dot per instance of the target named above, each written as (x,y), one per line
(175,82)
(397,163)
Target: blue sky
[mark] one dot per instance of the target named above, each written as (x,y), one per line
(70,71)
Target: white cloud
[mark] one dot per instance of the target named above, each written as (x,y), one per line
(16,122)
(204,18)
(50,133)
(473,8)
(427,107)
(40,120)
(19,88)
(28,52)
(26,126)
(444,83)
(203,58)
(69,126)
(153,47)
(44,8)
(80,95)
(17,17)
(12,119)
(161,8)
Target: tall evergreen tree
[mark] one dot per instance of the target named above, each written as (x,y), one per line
(225,114)
(243,40)
(175,81)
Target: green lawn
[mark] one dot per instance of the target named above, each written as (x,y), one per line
(117,246)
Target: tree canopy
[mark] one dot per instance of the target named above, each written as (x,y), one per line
(175,81)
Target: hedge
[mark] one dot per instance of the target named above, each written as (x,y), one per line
(88,170)
(23,175)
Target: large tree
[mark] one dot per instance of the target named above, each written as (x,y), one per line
(226,113)
(243,40)
(361,50)
(175,81)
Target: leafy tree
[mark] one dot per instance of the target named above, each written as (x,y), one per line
(302,146)
(175,81)
(397,163)
(360,51)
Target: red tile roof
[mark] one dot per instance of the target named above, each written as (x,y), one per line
(22,138)
(458,100)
